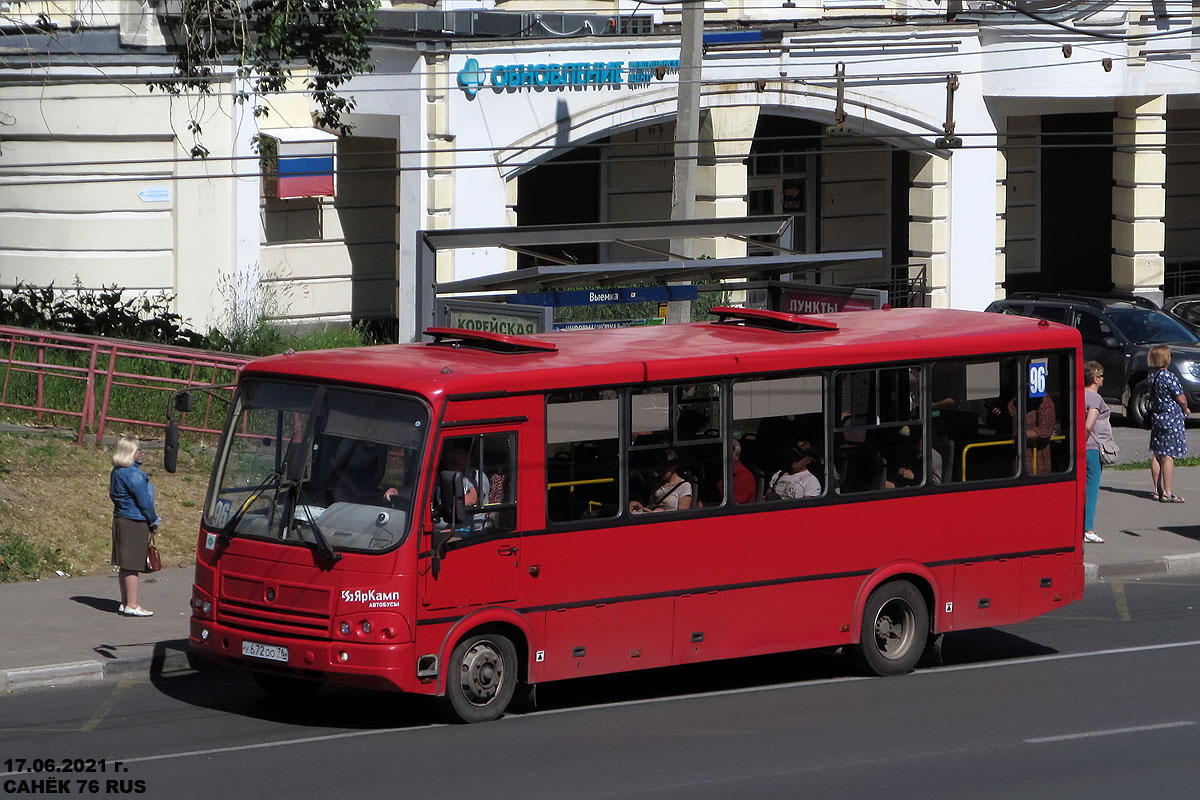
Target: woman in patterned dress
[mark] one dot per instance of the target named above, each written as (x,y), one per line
(1168,410)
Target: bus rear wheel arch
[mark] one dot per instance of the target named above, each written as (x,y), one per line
(481,677)
(895,628)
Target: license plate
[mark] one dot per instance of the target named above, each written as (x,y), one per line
(270,652)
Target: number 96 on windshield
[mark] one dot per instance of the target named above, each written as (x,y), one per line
(1037,377)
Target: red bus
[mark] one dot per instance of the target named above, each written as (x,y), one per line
(482,513)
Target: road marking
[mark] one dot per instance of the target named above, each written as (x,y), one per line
(1112,732)
(1012,662)
(265,745)
(1118,589)
(650,700)
(106,706)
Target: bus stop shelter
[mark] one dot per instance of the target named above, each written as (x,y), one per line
(774,271)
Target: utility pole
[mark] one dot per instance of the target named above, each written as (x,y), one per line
(687,135)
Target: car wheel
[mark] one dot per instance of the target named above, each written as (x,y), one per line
(1139,404)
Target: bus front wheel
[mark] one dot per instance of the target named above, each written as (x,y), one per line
(895,628)
(482,677)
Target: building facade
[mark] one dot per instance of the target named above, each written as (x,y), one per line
(981,147)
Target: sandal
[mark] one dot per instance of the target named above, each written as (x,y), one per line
(1171,498)
(1156,497)
(137,611)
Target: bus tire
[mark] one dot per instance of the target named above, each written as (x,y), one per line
(284,686)
(895,628)
(481,678)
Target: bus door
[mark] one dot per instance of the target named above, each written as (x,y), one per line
(480,561)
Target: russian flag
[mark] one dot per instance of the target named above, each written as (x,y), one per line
(304,163)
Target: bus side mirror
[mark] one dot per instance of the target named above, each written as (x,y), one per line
(171,447)
(453,505)
(184,402)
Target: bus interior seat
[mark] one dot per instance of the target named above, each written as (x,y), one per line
(861,469)
(942,461)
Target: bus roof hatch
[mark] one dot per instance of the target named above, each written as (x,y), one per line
(484,340)
(773,320)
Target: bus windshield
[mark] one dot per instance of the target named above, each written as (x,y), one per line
(299,463)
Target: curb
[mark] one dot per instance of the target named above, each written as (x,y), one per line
(169,656)
(1184,564)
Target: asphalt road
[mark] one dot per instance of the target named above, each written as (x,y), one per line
(1098,700)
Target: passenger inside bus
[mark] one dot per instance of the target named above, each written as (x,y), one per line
(747,487)
(674,493)
(797,481)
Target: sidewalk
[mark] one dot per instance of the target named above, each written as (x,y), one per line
(65,630)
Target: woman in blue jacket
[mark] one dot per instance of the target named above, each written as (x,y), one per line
(134,519)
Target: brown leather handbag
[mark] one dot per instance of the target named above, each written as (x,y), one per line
(153,559)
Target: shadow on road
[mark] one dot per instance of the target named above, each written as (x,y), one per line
(1141,493)
(178,675)
(989,644)
(1188,531)
(235,692)
(106,604)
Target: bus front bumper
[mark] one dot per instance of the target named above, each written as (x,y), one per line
(346,663)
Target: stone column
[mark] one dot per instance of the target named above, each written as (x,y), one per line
(439,173)
(721,177)
(1140,195)
(1020,202)
(928,225)
(1001,223)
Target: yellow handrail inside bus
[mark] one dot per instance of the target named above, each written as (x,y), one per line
(573,484)
(972,445)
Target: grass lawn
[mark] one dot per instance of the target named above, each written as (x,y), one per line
(55,513)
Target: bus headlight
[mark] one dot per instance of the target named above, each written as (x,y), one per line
(202,605)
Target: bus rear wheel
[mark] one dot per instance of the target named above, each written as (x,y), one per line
(895,628)
(482,677)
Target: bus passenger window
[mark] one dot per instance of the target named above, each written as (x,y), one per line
(488,466)
(972,408)
(771,417)
(1047,414)
(878,432)
(676,455)
(582,455)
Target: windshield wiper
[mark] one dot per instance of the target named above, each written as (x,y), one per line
(318,535)
(230,527)
(296,472)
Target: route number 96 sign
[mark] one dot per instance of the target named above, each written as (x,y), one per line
(1037,377)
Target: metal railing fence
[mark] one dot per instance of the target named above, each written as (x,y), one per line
(96,382)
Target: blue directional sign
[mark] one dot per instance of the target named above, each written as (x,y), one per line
(594,297)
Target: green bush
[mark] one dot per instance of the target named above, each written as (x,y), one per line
(90,312)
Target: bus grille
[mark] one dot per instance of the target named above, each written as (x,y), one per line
(255,618)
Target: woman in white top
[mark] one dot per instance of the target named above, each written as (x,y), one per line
(675,493)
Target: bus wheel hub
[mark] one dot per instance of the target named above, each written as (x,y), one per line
(481,672)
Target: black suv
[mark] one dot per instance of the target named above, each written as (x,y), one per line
(1118,331)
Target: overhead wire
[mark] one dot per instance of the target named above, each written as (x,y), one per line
(13,179)
(808,63)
